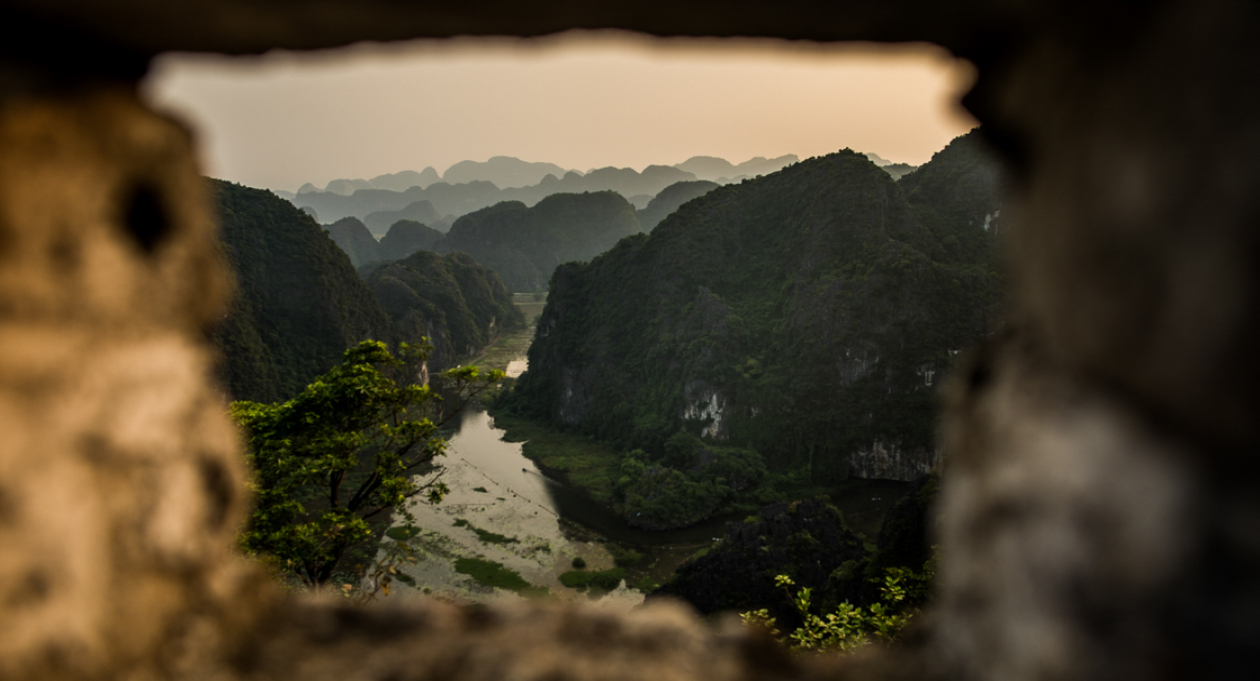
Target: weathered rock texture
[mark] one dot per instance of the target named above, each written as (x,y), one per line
(1099,514)
(123,481)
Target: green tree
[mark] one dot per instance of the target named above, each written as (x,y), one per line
(356,444)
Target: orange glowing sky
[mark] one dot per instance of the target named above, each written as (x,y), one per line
(580,101)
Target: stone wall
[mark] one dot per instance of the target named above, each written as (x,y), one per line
(1099,503)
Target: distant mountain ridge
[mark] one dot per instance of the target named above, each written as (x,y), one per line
(524,245)
(468,186)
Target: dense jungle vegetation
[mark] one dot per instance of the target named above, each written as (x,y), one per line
(806,316)
(300,304)
(456,303)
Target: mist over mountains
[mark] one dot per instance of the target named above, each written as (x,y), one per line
(469,186)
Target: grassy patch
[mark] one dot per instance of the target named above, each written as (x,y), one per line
(486,536)
(588,464)
(601,579)
(402,533)
(490,573)
(505,348)
(530,304)
(647,585)
(623,557)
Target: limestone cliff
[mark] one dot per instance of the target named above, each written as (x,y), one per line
(299,302)
(808,314)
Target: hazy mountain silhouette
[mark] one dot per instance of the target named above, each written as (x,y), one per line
(524,245)
(670,199)
(503,171)
(721,170)
(897,170)
(355,239)
(401,182)
(406,237)
(421,211)
(461,199)
(469,186)
(347,187)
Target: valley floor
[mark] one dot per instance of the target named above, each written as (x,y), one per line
(496,536)
(499,535)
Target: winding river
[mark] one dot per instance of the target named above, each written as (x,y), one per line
(504,509)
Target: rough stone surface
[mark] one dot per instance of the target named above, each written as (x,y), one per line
(1099,515)
(123,482)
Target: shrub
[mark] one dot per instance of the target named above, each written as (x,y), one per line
(579,562)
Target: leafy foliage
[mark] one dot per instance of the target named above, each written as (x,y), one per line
(848,626)
(347,450)
(809,542)
(691,481)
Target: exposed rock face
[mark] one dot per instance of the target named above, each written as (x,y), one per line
(890,462)
(808,315)
(354,238)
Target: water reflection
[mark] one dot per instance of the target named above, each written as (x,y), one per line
(479,445)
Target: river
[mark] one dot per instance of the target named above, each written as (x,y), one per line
(543,523)
(503,509)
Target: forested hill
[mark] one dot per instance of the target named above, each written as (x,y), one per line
(299,303)
(670,199)
(524,245)
(450,299)
(808,315)
(354,238)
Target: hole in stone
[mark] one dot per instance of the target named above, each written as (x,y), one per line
(145,218)
(220,491)
(979,376)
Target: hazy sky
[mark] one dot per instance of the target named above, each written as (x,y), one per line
(581,101)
